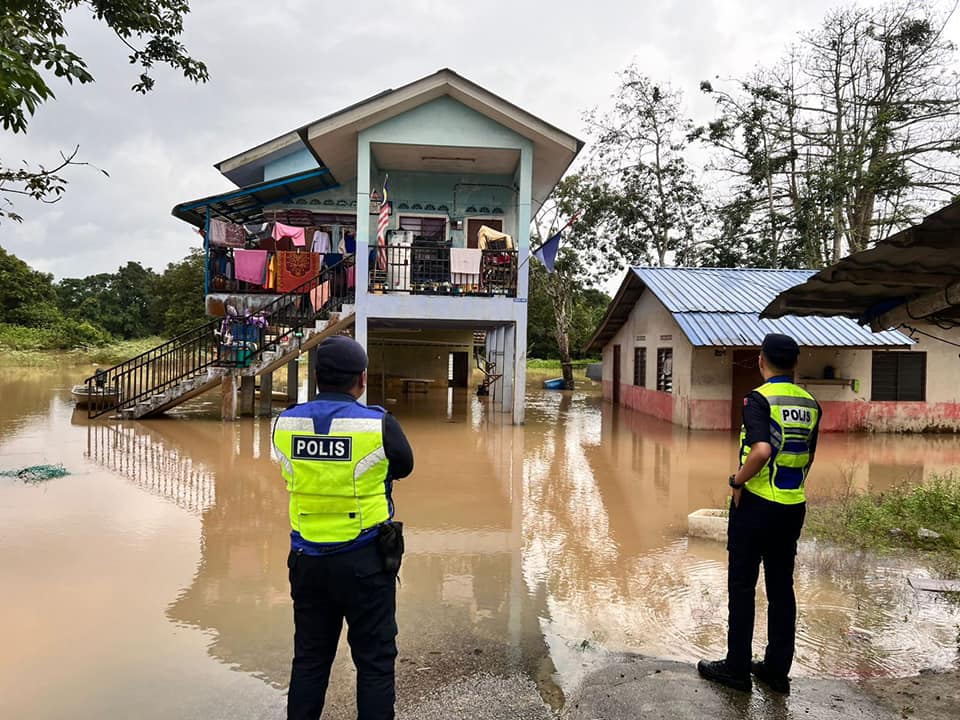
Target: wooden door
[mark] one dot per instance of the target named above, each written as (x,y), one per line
(460,377)
(745,377)
(473,229)
(616,374)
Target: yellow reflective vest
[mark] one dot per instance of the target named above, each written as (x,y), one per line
(332,457)
(794,415)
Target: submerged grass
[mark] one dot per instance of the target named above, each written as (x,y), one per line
(894,519)
(110,354)
(538,364)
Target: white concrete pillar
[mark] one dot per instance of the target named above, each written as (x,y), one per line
(265,406)
(509,342)
(498,335)
(228,400)
(247,389)
(364,240)
(524,218)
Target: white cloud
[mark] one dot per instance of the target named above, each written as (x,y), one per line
(275,66)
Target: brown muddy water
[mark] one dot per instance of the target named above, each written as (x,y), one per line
(152,581)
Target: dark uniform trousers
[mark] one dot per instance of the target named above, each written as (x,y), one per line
(326,590)
(767,532)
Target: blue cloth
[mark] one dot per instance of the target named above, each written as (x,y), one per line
(547,253)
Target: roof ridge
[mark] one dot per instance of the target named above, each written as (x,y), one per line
(724,269)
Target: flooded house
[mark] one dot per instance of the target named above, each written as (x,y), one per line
(681,344)
(403,219)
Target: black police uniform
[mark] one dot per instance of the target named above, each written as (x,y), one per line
(346,583)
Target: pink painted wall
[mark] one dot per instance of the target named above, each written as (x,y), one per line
(651,402)
(866,416)
(710,414)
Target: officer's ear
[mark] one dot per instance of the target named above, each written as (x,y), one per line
(362,383)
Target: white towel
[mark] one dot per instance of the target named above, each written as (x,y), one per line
(465,261)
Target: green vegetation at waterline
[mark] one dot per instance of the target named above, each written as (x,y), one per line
(97,311)
(111,353)
(925,517)
(554,364)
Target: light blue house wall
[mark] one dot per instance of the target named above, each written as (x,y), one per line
(299,161)
(447,123)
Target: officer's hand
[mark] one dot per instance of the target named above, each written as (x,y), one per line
(736,496)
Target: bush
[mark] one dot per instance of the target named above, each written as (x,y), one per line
(66,334)
(892,520)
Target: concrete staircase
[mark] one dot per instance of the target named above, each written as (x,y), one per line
(266,362)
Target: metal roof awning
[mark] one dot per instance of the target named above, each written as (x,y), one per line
(912,275)
(247,204)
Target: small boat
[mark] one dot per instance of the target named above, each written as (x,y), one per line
(554,384)
(98,396)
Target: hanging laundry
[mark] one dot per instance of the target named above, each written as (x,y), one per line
(352,276)
(271,282)
(294,269)
(296,234)
(319,295)
(226,234)
(321,242)
(331,259)
(250,265)
(465,261)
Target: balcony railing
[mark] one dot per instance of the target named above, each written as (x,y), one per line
(427,270)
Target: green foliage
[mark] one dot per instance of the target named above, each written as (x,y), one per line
(33,47)
(587,306)
(891,520)
(179,301)
(65,334)
(21,288)
(120,302)
(554,363)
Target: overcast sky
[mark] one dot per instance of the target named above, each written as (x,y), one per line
(275,66)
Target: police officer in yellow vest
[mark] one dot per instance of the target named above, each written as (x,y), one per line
(778,440)
(339,459)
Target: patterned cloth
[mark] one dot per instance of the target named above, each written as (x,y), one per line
(294,269)
(225,234)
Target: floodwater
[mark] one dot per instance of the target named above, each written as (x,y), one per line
(152,581)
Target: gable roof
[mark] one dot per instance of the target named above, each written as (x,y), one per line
(332,138)
(721,307)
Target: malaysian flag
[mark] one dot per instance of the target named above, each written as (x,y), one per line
(382,223)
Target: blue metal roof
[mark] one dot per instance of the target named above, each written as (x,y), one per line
(718,289)
(721,307)
(748,330)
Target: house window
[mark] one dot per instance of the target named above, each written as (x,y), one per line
(431,228)
(640,367)
(899,376)
(665,369)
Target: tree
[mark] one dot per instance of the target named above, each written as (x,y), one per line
(32,45)
(655,202)
(27,297)
(179,300)
(578,205)
(122,302)
(847,139)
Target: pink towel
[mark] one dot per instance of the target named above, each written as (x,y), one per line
(319,295)
(351,276)
(250,265)
(297,235)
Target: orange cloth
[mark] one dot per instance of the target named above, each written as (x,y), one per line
(294,269)
(319,295)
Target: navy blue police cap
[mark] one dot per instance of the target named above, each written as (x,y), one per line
(781,350)
(340,357)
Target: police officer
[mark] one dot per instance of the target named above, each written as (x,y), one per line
(339,459)
(778,440)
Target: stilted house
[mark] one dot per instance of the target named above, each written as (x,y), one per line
(403,219)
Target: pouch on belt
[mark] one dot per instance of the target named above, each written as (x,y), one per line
(390,545)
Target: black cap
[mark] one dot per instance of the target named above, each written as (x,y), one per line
(339,358)
(781,350)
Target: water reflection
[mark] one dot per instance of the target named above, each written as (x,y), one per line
(527,546)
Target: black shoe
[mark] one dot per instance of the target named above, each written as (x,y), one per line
(776,682)
(720,673)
